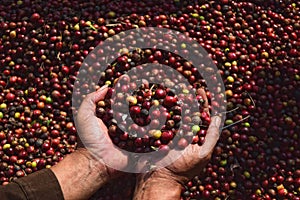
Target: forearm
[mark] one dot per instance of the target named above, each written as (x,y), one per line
(79,175)
(148,187)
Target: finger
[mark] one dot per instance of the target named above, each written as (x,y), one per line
(96,96)
(88,105)
(87,123)
(212,137)
(202,93)
(93,132)
(100,94)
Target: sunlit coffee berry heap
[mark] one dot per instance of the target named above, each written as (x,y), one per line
(160,109)
(145,115)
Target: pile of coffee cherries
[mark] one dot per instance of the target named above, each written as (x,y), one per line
(158,108)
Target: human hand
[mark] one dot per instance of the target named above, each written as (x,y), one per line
(191,163)
(157,183)
(82,173)
(194,157)
(94,135)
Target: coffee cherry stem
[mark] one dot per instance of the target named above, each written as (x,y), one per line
(229,111)
(58,56)
(243,119)
(232,110)
(116,24)
(152,88)
(251,99)
(154,148)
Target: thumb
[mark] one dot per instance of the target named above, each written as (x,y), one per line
(212,136)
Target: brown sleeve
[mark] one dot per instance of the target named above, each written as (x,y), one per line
(39,185)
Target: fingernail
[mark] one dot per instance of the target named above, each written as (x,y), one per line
(217,121)
(102,88)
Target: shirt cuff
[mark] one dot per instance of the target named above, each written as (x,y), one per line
(41,184)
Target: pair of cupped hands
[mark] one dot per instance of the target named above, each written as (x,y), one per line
(94,135)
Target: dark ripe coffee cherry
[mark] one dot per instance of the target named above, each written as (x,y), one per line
(46,146)
(154,123)
(169,101)
(146,105)
(144,112)
(124,136)
(41,163)
(135,110)
(13,159)
(176,110)
(201,141)
(157,143)
(201,133)
(176,118)
(72,139)
(166,136)
(23,154)
(9,151)
(160,93)
(138,142)
(10,97)
(182,143)
(164,149)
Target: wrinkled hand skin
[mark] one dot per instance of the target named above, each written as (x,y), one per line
(153,185)
(94,136)
(83,172)
(194,157)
